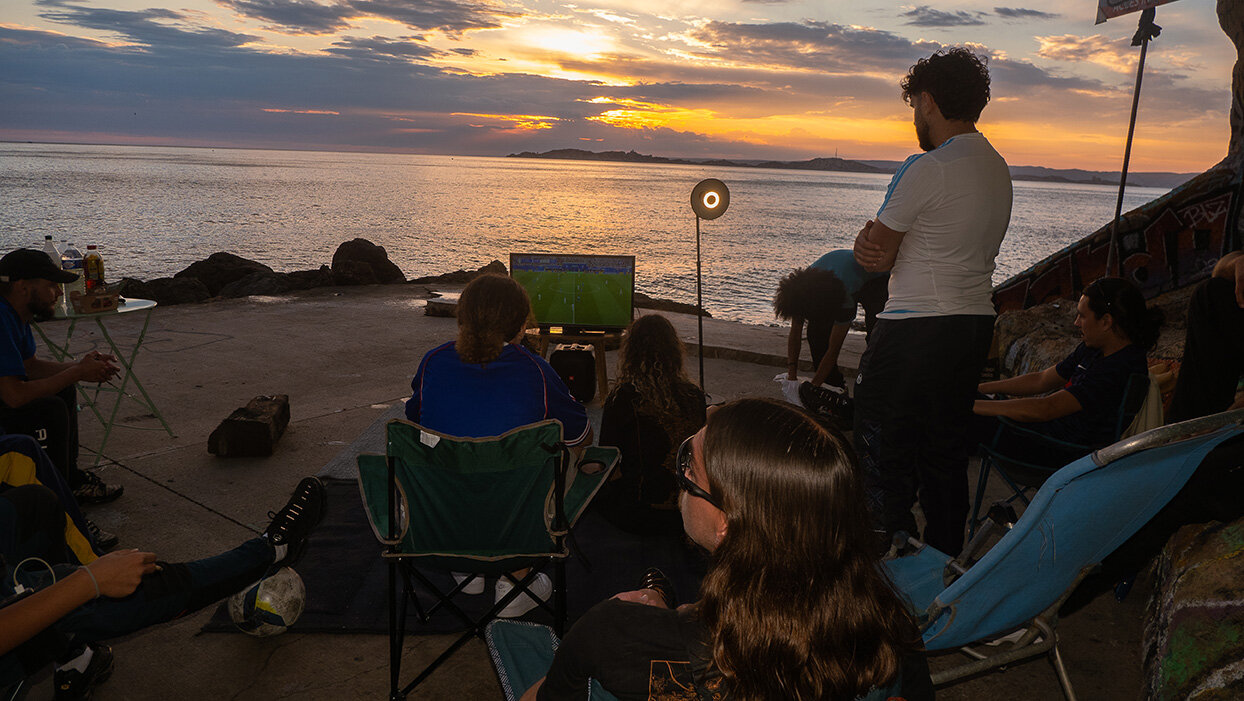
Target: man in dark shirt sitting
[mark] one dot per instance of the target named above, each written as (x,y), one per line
(1078,400)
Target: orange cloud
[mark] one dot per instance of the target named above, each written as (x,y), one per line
(524,122)
(275,109)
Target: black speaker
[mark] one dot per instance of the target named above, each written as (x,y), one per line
(576,365)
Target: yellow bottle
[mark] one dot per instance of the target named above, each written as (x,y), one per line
(93,269)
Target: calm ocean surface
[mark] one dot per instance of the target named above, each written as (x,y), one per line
(153,211)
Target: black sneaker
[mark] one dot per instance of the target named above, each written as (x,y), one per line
(291,525)
(103,539)
(72,685)
(94,491)
(827,402)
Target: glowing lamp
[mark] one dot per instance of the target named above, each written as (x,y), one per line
(709,200)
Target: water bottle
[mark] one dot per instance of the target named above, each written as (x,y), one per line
(50,248)
(93,269)
(71,260)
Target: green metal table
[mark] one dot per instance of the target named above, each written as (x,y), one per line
(91,397)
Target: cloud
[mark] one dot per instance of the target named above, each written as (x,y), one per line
(383,48)
(809,45)
(925,16)
(153,27)
(1115,54)
(294,16)
(1023,13)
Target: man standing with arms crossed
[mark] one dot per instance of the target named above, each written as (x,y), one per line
(937,232)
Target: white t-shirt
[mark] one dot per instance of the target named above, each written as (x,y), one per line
(954,202)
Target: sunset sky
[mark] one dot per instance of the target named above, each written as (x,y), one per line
(680,78)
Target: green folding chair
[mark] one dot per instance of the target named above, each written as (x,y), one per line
(483,506)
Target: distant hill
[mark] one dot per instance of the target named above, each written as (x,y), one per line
(575,154)
(1161,180)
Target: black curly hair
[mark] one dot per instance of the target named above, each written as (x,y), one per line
(957,79)
(808,293)
(1124,302)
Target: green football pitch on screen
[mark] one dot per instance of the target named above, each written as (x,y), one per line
(578,299)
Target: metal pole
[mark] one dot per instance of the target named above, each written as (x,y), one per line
(699,303)
(1144,32)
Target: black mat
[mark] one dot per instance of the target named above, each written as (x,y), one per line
(347,581)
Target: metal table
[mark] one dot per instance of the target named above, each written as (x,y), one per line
(91,397)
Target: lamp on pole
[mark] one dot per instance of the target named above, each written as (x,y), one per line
(709,200)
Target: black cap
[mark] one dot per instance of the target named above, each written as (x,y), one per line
(29,264)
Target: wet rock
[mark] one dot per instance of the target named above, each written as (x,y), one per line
(308,279)
(258,283)
(361,262)
(166,290)
(643,301)
(462,277)
(220,269)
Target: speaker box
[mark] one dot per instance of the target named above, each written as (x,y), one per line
(576,365)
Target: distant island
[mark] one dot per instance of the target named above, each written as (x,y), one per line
(1033,173)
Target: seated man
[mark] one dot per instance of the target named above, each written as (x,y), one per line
(39,397)
(119,593)
(1209,377)
(793,605)
(1078,400)
(825,295)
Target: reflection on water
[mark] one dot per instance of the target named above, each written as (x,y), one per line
(153,211)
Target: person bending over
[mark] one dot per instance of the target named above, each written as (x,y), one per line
(1210,376)
(1078,400)
(484,384)
(824,295)
(68,615)
(39,397)
(793,606)
(652,408)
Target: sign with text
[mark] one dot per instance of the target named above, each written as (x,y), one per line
(1109,9)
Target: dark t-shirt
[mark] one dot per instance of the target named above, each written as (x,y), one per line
(643,652)
(17,342)
(1098,383)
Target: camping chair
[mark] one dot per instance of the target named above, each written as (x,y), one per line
(1046,455)
(483,506)
(1080,515)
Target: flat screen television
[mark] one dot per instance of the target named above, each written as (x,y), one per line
(578,293)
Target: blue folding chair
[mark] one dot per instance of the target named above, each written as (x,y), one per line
(1081,514)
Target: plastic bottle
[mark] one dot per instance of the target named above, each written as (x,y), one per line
(93,269)
(71,260)
(49,247)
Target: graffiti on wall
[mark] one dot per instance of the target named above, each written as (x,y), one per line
(1165,245)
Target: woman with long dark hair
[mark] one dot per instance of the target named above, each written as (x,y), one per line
(794,605)
(651,409)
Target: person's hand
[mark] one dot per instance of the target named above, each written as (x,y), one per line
(119,573)
(97,367)
(651,597)
(868,254)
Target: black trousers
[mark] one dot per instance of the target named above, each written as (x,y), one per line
(913,410)
(53,422)
(1213,352)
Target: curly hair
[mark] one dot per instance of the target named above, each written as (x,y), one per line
(957,79)
(492,310)
(794,603)
(808,293)
(651,360)
(1126,305)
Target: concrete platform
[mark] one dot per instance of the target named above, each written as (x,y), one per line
(345,355)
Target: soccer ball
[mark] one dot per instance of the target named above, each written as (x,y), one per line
(270,605)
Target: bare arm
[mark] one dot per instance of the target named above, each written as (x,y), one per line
(530,694)
(1030,409)
(118,574)
(876,246)
(1231,267)
(829,361)
(49,377)
(1025,385)
(794,343)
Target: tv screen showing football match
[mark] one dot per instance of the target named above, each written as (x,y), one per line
(577,292)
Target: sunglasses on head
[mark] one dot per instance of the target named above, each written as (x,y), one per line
(684,479)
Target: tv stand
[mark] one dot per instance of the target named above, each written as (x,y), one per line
(595,339)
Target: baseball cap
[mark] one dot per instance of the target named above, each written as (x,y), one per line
(29,264)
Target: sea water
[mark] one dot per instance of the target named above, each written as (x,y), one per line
(154,210)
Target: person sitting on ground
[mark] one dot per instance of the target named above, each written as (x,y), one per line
(824,295)
(1210,376)
(1078,400)
(793,606)
(22,463)
(39,397)
(652,408)
(484,383)
(77,607)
